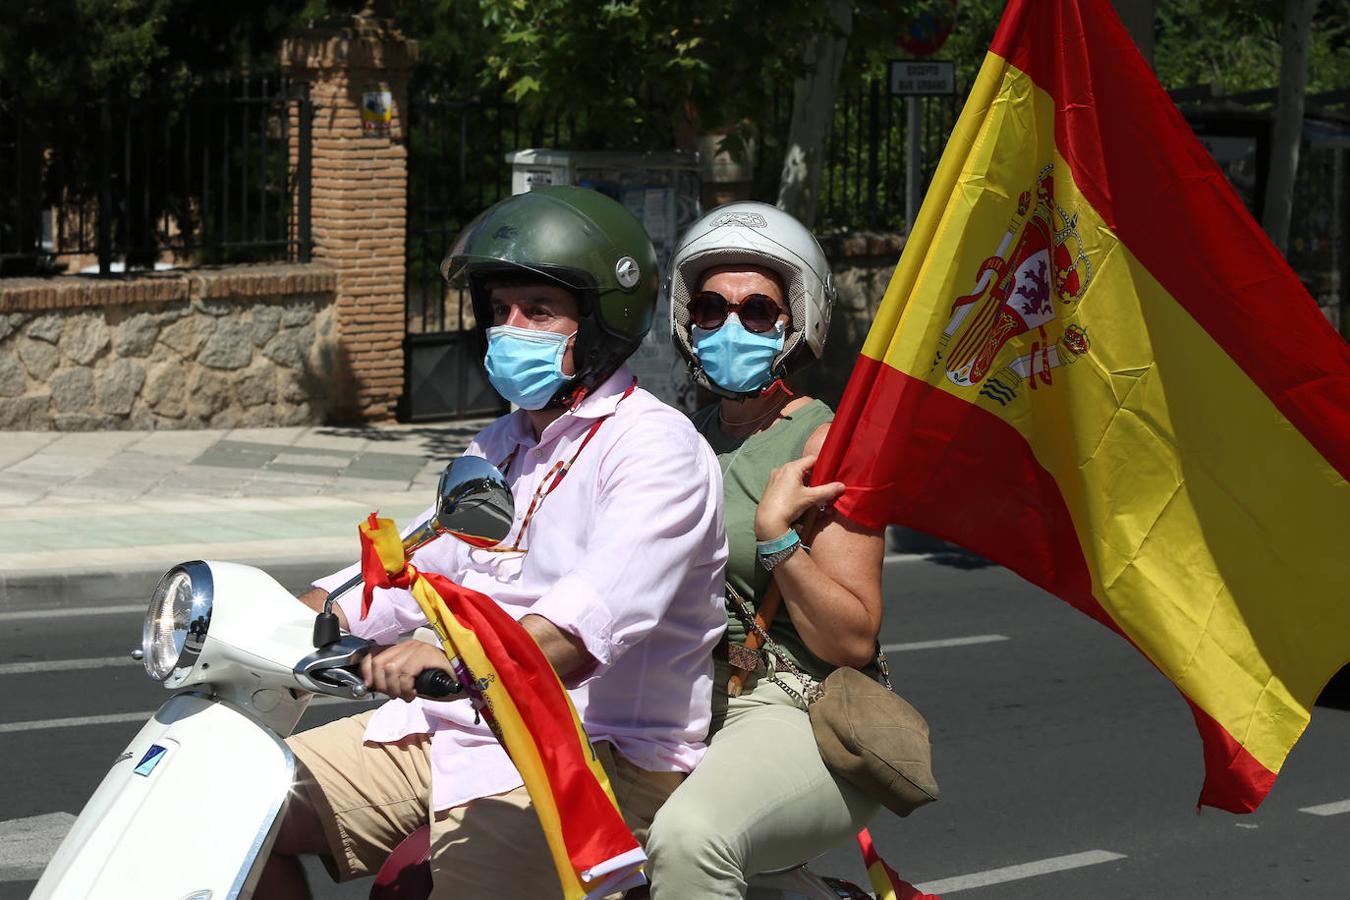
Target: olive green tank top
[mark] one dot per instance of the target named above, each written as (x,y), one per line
(746,464)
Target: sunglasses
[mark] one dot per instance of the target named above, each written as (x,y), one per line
(758,313)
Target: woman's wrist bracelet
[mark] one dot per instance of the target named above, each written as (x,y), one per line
(782,542)
(771,553)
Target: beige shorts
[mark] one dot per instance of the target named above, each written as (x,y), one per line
(371,796)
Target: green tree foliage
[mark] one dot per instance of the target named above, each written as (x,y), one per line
(59,50)
(1235,44)
(90,90)
(642,72)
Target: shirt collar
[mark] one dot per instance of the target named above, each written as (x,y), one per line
(601,402)
(604,400)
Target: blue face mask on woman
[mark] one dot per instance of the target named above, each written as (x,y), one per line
(734,358)
(525,365)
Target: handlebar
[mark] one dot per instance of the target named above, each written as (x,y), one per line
(435,684)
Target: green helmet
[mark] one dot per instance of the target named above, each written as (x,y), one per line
(577,238)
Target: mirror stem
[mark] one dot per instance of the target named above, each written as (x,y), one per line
(327,629)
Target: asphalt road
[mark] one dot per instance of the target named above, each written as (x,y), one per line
(1069,768)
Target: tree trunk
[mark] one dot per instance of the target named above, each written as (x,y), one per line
(812,112)
(1295,35)
(1137,17)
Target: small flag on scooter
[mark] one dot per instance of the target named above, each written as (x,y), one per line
(532,716)
(886,881)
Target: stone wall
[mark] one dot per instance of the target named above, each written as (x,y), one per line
(240,346)
(862,263)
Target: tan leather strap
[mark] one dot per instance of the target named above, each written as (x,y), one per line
(768,608)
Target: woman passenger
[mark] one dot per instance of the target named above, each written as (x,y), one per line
(750,294)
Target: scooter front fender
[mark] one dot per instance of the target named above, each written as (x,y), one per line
(189,809)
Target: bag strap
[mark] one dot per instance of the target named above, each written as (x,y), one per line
(757,635)
(768,608)
(770,648)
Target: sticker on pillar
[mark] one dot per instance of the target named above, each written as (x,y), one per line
(377,108)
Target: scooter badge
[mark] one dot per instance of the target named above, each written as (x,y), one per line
(150,760)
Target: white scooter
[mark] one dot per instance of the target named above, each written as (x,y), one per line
(190,809)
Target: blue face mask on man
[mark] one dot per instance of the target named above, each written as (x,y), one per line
(737,359)
(525,365)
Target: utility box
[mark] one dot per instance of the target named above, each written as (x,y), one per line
(661,190)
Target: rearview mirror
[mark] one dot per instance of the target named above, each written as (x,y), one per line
(473,504)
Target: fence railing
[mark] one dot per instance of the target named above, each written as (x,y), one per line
(457,168)
(863,180)
(117,183)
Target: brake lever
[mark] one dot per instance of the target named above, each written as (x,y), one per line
(331,666)
(343,678)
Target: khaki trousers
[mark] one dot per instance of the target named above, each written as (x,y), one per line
(371,796)
(761,800)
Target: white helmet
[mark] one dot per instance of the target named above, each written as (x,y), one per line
(751,233)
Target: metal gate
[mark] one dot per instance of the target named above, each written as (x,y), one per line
(456,168)
(453,174)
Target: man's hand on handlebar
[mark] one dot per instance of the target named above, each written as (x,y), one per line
(392,670)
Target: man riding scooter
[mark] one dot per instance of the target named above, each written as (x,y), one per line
(614,566)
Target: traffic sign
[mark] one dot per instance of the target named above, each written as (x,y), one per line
(922,77)
(924,32)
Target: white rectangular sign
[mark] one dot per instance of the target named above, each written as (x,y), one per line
(922,77)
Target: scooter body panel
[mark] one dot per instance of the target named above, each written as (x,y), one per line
(200,782)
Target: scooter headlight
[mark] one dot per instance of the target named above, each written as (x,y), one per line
(177,620)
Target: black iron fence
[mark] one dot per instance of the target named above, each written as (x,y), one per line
(863,180)
(457,168)
(208,175)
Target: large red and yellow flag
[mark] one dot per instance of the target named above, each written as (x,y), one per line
(1093,368)
(529,711)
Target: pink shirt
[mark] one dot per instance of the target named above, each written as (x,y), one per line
(626,553)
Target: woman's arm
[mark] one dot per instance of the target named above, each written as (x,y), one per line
(833,593)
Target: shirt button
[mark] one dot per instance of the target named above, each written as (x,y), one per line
(538,453)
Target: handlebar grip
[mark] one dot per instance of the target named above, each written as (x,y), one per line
(436,683)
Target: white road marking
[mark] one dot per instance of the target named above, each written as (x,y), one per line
(893,557)
(64,612)
(27,844)
(73,721)
(66,665)
(115,718)
(1328,809)
(1016,873)
(947,642)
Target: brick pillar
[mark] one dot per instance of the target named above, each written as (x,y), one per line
(359,208)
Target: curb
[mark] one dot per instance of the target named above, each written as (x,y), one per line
(38,591)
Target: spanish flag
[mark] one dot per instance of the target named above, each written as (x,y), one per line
(886,882)
(530,713)
(1093,368)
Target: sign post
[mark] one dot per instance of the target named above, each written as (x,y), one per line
(914,79)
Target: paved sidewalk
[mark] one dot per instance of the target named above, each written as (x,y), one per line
(94,517)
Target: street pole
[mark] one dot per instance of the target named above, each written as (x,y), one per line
(914,176)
